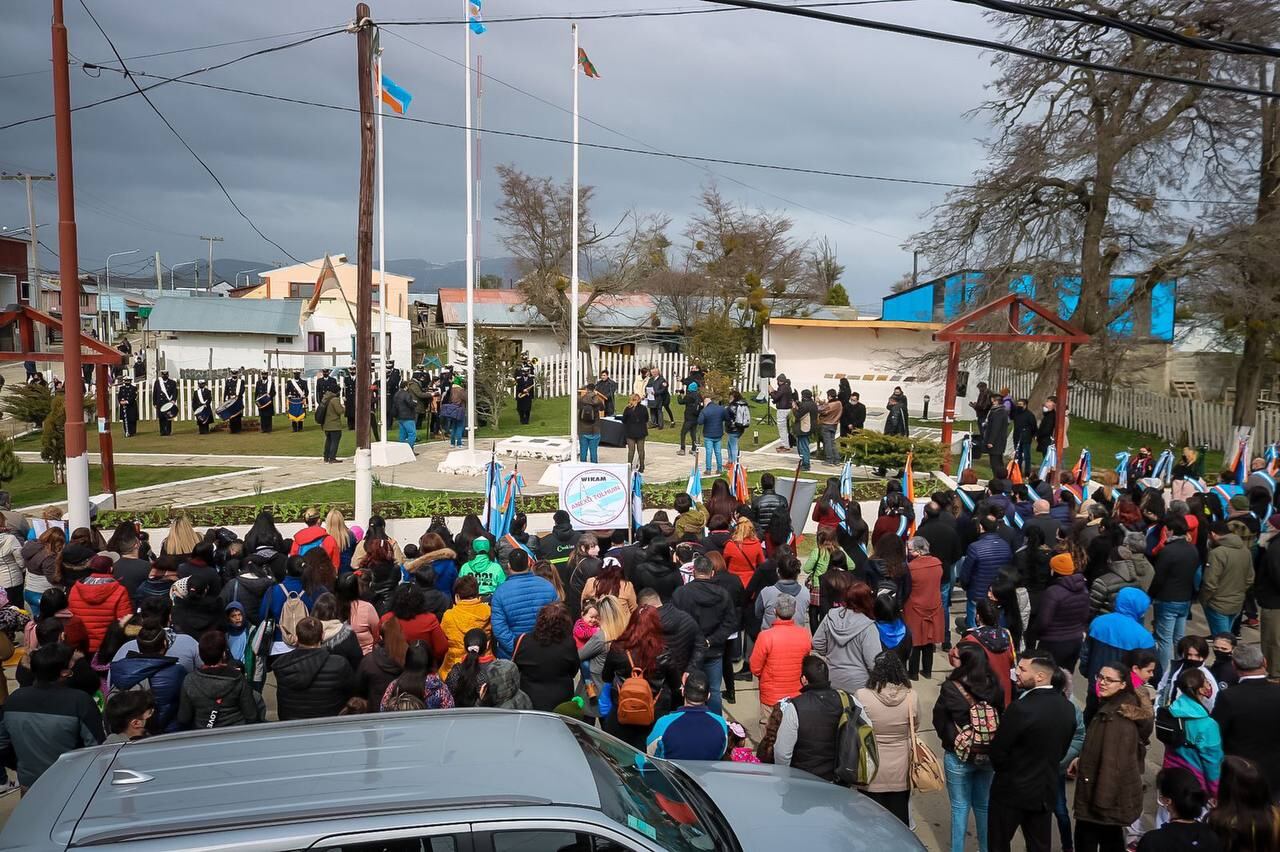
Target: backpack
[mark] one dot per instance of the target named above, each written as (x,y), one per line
(587,412)
(304,549)
(887,591)
(741,416)
(973,741)
(1170,729)
(635,698)
(293,611)
(857,757)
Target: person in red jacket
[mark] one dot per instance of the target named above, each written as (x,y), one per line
(99,599)
(778,657)
(409,607)
(314,535)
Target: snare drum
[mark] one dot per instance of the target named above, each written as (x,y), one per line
(264,401)
(231,408)
(169,409)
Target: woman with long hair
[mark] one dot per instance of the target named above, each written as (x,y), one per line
(814,568)
(1109,770)
(443,559)
(584,561)
(409,610)
(356,612)
(1201,750)
(418,679)
(743,552)
(263,534)
(544,569)
(181,540)
(1180,795)
(969,773)
(610,581)
(547,658)
(829,506)
(377,532)
(893,708)
(613,618)
(778,534)
(43,565)
(657,571)
(337,634)
(470,673)
(1246,818)
(639,647)
(472,529)
(888,564)
(336,525)
(721,502)
(382,665)
(318,572)
(635,426)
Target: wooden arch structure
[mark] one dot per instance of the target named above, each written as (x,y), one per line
(99,354)
(955,333)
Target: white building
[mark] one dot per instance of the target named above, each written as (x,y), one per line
(818,352)
(201,333)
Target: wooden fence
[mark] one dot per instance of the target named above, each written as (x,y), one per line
(1171,418)
(554,373)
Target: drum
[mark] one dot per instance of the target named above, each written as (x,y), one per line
(264,401)
(231,408)
(169,409)
(203,417)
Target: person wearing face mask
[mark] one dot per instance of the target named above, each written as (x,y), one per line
(1024,431)
(1191,738)
(1108,771)
(1223,669)
(1047,430)
(1192,652)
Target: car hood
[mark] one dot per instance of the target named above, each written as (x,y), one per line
(832,817)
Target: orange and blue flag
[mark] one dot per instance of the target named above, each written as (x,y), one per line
(909,491)
(394,96)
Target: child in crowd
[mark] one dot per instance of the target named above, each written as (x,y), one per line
(739,751)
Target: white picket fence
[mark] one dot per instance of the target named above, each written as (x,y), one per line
(1143,411)
(554,373)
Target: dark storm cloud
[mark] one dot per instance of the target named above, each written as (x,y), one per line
(737,85)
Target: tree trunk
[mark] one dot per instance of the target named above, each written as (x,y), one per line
(1244,411)
(1047,381)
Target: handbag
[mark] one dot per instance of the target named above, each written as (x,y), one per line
(925,768)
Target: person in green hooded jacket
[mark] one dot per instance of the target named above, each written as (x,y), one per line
(488,573)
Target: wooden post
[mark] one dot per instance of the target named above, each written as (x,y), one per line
(1060,434)
(949,404)
(364,265)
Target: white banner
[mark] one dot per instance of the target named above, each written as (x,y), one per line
(596,496)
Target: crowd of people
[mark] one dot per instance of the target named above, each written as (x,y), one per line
(648,635)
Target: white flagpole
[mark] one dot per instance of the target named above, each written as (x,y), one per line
(470,255)
(382,272)
(574,381)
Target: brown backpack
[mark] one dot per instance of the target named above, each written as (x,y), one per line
(635,698)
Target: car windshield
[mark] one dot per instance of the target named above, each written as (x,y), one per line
(636,792)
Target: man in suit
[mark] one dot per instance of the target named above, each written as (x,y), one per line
(164,391)
(1246,714)
(1034,735)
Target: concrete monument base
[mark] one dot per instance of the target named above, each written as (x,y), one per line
(391,453)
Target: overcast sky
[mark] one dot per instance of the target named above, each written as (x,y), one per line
(741,85)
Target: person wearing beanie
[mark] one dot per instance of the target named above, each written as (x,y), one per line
(691,399)
(98,599)
(489,574)
(1063,615)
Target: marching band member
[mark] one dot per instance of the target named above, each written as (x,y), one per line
(164,396)
(264,396)
(295,393)
(127,399)
(349,397)
(326,383)
(233,402)
(202,406)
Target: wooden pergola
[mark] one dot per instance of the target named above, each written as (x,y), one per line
(955,333)
(99,354)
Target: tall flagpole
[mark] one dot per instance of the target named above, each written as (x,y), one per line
(471,240)
(479,167)
(382,271)
(573,274)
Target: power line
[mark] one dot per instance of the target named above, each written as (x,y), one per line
(1151,32)
(613,16)
(178,50)
(987,44)
(165,80)
(647,153)
(653,148)
(125,70)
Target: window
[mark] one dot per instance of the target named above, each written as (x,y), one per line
(25,291)
(532,840)
(315,341)
(284,340)
(441,843)
(299,290)
(84,300)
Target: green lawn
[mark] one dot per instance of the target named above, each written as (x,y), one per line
(35,484)
(326,493)
(186,439)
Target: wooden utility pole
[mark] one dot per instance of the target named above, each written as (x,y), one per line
(210,241)
(69,271)
(364,265)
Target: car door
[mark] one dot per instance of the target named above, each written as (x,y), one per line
(551,836)
(443,838)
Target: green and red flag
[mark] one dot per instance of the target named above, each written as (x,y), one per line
(587,67)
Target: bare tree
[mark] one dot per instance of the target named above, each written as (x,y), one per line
(825,272)
(1078,162)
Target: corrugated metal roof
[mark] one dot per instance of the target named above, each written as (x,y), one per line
(279,317)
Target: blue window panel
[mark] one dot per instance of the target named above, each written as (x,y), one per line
(1121,289)
(1068,295)
(962,291)
(910,305)
(1164,299)
(1025,285)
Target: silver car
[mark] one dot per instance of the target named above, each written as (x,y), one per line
(432,781)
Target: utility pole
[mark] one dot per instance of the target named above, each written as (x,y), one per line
(69,272)
(33,249)
(159,275)
(211,241)
(364,264)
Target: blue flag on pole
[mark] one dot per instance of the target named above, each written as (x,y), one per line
(694,487)
(637,500)
(473,17)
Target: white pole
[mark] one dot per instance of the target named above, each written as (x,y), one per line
(382,272)
(108,335)
(573,264)
(471,252)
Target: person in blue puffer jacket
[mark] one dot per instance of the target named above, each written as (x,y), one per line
(150,668)
(516,603)
(1111,636)
(982,563)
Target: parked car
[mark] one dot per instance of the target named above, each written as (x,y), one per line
(432,781)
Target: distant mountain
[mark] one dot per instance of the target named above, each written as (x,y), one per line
(428,277)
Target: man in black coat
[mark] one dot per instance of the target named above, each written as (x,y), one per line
(164,397)
(1246,714)
(1024,431)
(682,639)
(311,681)
(713,610)
(768,503)
(1034,735)
(1046,432)
(995,436)
(939,529)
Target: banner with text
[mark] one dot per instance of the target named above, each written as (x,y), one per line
(596,496)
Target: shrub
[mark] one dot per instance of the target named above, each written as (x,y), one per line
(877,450)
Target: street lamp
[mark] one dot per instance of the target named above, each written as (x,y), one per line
(174,269)
(247,273)
(113,254)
